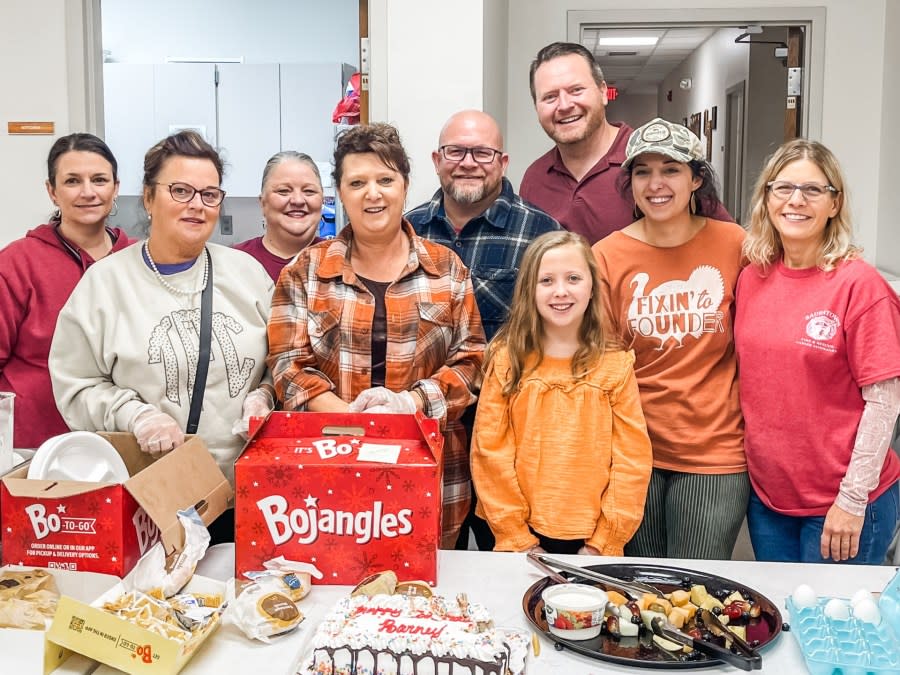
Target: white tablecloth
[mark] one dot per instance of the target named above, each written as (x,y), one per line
(499,581)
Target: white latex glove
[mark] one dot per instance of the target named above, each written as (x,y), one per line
(383,400)
(258,403)
(156,432)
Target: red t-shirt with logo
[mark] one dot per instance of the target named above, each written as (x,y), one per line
(807,341)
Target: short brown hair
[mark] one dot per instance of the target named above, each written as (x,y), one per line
(186,143)
(381,139)
(556,49)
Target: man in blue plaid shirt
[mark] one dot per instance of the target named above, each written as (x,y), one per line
(476,213)
(478,216)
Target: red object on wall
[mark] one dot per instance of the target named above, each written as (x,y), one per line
(303,491)
(612,93)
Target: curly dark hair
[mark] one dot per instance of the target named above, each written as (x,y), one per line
(381,139)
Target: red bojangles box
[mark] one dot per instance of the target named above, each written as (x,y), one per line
(107,527)
(351,493)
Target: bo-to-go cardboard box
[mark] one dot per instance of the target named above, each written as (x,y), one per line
(107,527)
(30,652)
(87,629)
(351,493)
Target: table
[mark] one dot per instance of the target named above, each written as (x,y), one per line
(499,581)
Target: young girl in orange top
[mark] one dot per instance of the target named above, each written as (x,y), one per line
(560,453)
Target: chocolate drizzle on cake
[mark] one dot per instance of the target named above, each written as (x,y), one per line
(327,665)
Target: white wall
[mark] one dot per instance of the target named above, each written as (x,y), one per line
(272,31)
(633,109)
(713,67)
(888,214)
(854,40)
(494,69)
(33,80)
(426,65)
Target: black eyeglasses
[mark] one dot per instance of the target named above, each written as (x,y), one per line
(457,153)
(783,189)
(182,192)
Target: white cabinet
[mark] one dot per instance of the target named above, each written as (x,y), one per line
(309,94)
(248,124)
(248,111)
(128,111)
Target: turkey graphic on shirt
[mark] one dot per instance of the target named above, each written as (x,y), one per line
(677,308)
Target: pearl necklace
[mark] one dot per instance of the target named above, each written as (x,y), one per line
(169,287)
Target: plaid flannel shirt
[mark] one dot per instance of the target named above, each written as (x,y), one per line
(491,246)
(320,340)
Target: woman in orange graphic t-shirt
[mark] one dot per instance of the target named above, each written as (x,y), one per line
(669,281)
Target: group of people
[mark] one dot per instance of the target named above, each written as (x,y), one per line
(617,367)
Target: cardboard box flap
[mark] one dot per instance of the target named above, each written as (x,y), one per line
(187,476)
(19,485)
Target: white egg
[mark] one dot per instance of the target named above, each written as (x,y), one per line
(859,596)
(804,597)
(866,610)
(837,609)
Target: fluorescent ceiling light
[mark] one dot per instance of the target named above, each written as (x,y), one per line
(627,41)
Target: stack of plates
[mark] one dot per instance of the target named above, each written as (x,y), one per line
(78,455)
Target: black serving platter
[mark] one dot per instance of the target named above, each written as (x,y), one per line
(641,651)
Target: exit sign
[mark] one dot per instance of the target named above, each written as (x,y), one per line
(611,93)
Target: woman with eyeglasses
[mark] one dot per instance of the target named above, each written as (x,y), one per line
(817,333)
(39,271)
(669,281)
(140,330)
(378,319)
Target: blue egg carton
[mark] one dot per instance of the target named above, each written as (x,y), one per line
(851,647)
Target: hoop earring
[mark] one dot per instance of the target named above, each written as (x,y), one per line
(693,203)
(636,213)
(115,208)
(57,216)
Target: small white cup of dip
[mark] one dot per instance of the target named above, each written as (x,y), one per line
(574,611)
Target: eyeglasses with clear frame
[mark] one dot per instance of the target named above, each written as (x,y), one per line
(457,153)
(182,192)
(782,189)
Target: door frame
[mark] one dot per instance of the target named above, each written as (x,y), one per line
(814,50)
(734,156)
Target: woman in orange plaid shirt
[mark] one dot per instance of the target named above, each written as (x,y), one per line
(378,319)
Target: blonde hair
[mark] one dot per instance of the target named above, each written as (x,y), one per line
(763,244)
(523,332)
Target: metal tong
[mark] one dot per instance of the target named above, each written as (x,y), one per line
(633,589)
(713,622)
(666,630)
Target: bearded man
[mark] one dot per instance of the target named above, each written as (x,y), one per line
(477,215)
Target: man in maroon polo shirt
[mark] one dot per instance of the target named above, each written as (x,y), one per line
(576,181)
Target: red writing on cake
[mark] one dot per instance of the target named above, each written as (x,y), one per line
(308,523)
(391,626)
(44,524)
(378,611)
(147,531)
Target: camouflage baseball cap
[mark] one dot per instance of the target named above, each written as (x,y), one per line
(664,138)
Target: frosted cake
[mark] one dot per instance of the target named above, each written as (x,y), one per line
(414,635)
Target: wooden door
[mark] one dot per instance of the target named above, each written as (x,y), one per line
(364,72)
(793,113)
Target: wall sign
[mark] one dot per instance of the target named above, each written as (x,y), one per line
(30,128)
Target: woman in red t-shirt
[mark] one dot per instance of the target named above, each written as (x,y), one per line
(817,333)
